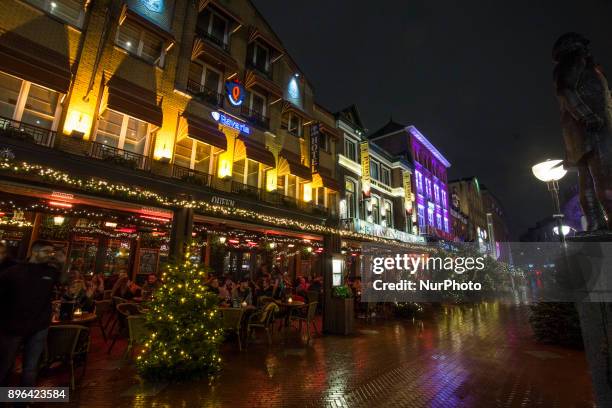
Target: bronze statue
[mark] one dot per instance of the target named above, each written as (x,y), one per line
(586,117)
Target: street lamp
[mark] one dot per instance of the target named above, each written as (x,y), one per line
(550,172)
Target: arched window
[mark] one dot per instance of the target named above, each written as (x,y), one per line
(375,201)
(351,198)
(388,213)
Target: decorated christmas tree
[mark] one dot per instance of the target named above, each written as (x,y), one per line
(184,324)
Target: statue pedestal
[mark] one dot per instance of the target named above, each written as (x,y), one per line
(596,326)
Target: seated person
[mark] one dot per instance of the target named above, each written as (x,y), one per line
(79,295)
(150,286)
(213,285)
(242,293)
(125,288)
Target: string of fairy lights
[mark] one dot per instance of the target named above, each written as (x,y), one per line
(120,191)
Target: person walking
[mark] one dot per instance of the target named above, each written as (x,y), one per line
(26,292)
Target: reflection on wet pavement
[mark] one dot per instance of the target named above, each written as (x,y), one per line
(479,356)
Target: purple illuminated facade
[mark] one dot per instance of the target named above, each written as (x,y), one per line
(429,180)
(430,185)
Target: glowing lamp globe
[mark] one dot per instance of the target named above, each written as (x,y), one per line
(565,229)
(550,170)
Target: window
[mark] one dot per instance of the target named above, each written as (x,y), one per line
(428,187)
(292,123)
(437,193)
(26,102)
(320,196)
(323,141)
(257,103)
(430,218)
(140,42)
(421,216)
(446,224)
(388,214)
(332,202)
(69,11)
(215,27)
(350,149)
(194,155)
(123,132)
(374,173)
(444,199)
(439,221)
(351,199)
(258,57)
(386,175)
(419,181)
(375,209)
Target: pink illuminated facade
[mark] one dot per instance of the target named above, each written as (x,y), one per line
(429,177)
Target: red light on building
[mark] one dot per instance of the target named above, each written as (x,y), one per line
(60,204)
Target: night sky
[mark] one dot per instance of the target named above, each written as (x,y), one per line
(474,77)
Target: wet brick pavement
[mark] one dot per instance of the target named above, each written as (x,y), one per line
(480,356)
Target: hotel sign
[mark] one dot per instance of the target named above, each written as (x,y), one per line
(407,192)
(365,168)
(314,147)
(228,121)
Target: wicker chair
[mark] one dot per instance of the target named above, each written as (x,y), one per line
(67,344)
(104,309)
(308,318)
(232,321)
(263,319)
(137,331)
(123,311)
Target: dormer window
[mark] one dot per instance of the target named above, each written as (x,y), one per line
(139,41)
(259,57)
(214,27)
(293,124)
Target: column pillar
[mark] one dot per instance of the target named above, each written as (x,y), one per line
(182,227)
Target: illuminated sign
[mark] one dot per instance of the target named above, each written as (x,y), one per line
(407,192)
(156,6)
(225,120)
(365,168)
(235,92)
(314,147)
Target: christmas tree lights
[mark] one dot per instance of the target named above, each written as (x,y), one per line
(185,326)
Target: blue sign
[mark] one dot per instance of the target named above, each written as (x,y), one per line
(235,92)
(232,123)
(156,6)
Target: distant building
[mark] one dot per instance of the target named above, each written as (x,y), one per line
(467,197)
(430,180)
(496,224)
(377,190)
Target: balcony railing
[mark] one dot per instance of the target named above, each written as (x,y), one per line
(255,118)
(192,176)
(261,69)
(119,156)
(24,131)
(135,161)
(219,42)
(205,94)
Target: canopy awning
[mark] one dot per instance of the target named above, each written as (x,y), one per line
(205,51)
(33,62)
(205,131)
(133,100)
(256,80)
(324,179)
(290,163)
(254,151)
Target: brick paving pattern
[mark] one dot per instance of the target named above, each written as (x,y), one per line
(480,356)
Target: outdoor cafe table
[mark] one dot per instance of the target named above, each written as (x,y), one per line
(290,306)
(84,319)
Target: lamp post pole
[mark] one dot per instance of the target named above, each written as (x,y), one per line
(553,187)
